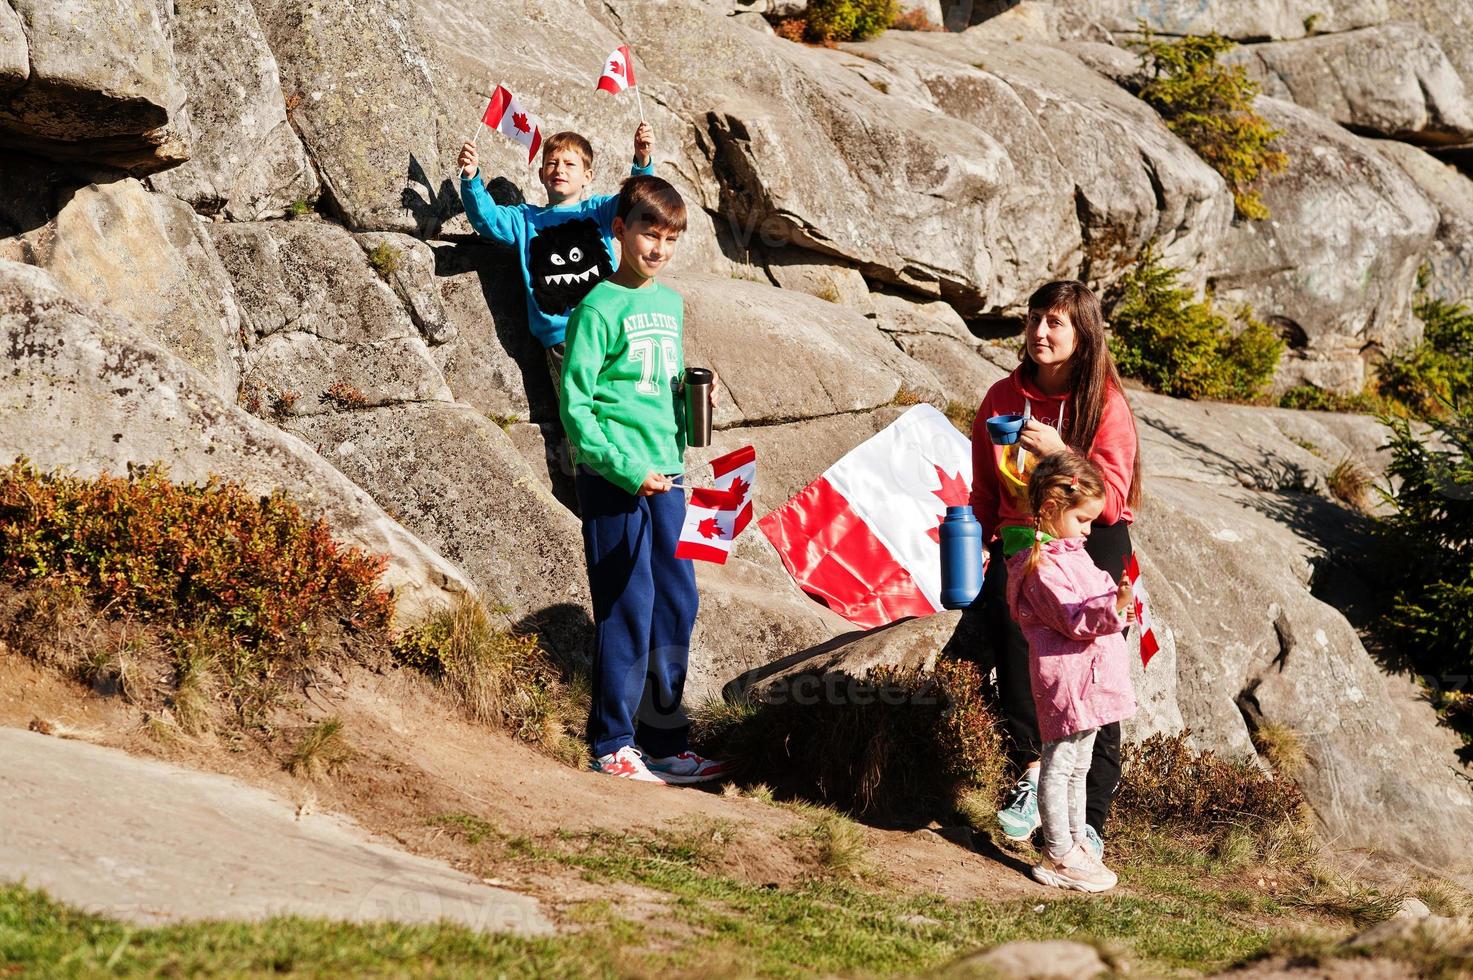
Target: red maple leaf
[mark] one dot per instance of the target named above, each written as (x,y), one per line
(953,493)
(739,487)
(616,67)
(519,120)
(709,528)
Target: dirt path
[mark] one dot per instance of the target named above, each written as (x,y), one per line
(149,842)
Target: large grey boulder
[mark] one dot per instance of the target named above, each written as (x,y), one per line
(802,148)
(85,391)
(1389,80)
(1450,262)
(1336,265)
(363,91)
(246,163)
(832,358)
(1246,20)
(92,80)
(145,257)
(1133,181)
(322,328)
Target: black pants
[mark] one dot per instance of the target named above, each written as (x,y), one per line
(1109,546)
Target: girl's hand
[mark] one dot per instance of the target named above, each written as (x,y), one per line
(467,161)
(655,483)
(1124,593)
(1040,438)
(644,143)
(714,395)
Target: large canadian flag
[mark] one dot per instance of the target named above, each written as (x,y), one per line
(715,516)
(864,538)
(618,73)
(506,115)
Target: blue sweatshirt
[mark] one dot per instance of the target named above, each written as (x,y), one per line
(565,250)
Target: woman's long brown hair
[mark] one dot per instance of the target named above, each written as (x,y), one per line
(1093,373)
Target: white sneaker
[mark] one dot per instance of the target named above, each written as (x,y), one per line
(626,763)
(1078,870)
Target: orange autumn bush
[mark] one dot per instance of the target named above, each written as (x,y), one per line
(146,548)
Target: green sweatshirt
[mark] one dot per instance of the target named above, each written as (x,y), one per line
(623,359)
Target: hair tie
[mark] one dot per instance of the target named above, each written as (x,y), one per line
(1038,536)
(1073,484)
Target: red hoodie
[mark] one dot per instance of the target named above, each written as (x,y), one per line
(999,498)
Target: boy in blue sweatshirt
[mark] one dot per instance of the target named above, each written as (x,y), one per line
(566,247)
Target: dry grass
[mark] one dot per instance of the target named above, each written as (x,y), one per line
(1349,483)
(498,678)
(961,415)
(1282,747)
(841,845)
(906,397)
(321,752)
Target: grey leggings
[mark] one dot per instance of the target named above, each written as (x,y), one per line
(1061,791)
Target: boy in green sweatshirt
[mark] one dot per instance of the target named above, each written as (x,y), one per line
(624,417)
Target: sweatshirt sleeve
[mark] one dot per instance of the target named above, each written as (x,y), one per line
(1114,452)
(494,221)
(1063,608)
(587,344)
(984,472)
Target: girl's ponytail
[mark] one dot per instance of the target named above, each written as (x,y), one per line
(1063,478)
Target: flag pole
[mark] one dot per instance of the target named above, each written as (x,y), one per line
(638,101)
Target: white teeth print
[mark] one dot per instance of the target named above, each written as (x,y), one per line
(567,277)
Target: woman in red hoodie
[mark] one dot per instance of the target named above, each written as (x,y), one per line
(1070,391)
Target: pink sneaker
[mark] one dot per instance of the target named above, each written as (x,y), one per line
(687,767)
(626,763)
(1079,870)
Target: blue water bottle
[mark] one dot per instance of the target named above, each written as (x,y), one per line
(961,558)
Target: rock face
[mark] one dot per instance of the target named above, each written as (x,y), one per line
(92,80)
(1448,19)
(322,328)
(1336,265)
(1244,20)
(1389,80)
(84,391)
(146,258)
(363,95)
(1450,262)
(246,161)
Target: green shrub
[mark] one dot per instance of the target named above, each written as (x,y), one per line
(147,548)
(1210,106)
(1431,529)
(1311,398)
(1439,370)
(848,20)
(892,744)
(1182,346)
(385,259)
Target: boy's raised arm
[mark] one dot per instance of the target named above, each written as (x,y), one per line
(586,346)
(490,220)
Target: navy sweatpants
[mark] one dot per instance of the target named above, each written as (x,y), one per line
(644,607)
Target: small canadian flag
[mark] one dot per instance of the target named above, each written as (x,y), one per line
(1149,646)
(715,516)
(506,115)
(618,73)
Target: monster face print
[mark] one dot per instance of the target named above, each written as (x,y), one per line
(565,262)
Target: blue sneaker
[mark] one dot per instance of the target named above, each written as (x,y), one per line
(1093,842)
(1019,819)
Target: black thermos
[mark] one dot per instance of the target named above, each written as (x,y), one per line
(698,406)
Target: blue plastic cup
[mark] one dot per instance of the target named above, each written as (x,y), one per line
(1004,429)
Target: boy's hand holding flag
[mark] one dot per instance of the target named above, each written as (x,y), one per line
(715,516)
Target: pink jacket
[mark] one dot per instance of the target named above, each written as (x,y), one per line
(1076,643)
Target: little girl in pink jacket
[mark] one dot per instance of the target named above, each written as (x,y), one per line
(1074,618)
